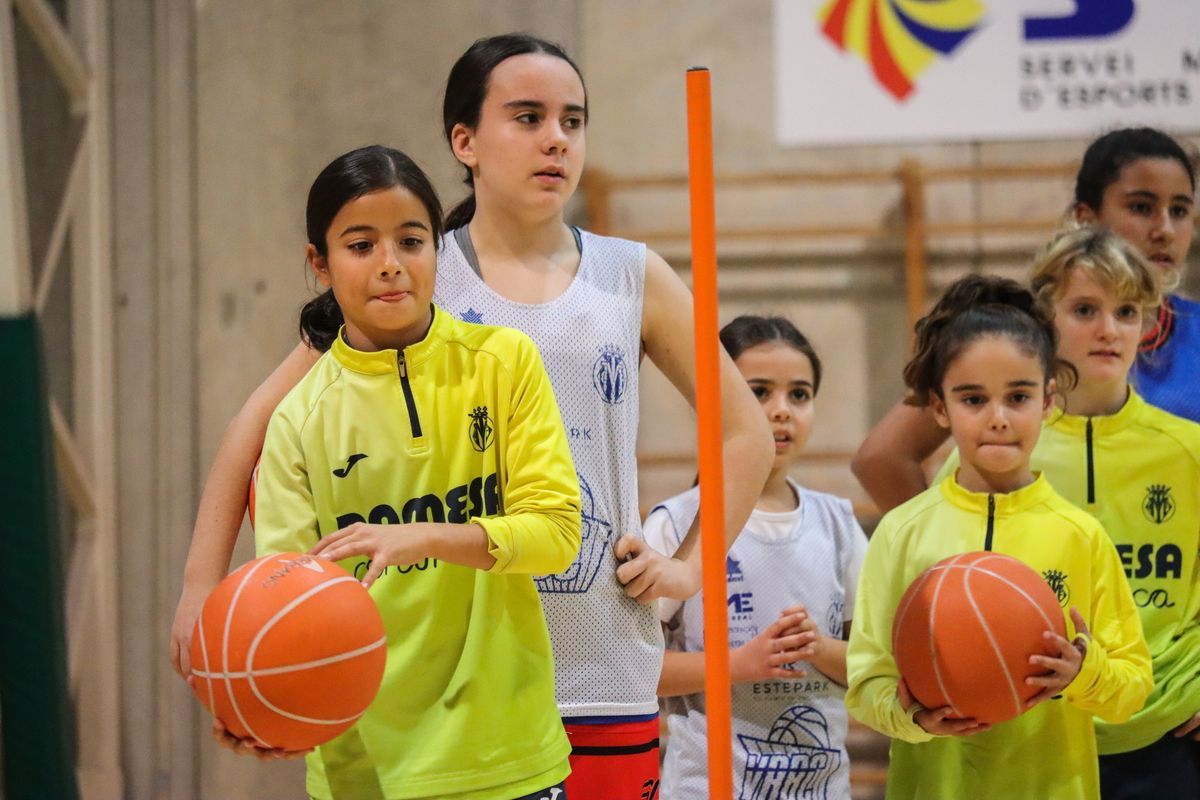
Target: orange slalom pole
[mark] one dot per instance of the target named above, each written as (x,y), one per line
(708,414)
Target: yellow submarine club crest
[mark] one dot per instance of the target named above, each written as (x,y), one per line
(899,39)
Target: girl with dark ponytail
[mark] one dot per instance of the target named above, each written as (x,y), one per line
(468,491)
(986,367)
(360,172)
(467,88)
(515,116)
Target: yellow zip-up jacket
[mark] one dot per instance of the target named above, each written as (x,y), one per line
(1138,472)
(460,427)
(1050,751)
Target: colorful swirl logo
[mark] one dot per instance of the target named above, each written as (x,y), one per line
(899,38)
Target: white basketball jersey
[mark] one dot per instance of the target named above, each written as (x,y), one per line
(607,647)
(788,735)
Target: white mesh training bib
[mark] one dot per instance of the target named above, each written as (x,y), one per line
(607,647)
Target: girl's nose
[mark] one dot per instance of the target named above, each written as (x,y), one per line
(391,262)
(1108,326)
(556,137)
(1163,231)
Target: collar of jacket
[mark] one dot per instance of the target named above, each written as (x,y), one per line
(1022,499)
(1075,425)
(383,362)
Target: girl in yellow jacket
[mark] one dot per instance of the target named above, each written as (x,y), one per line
(985,363)
(427,455)
(1136,468)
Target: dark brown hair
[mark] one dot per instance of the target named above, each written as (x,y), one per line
(349,176)
(972,308)
(749,331)
(467,87)
(1107,156)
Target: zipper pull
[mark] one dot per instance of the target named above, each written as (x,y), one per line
(400,365)
(991,522)
(1091,467)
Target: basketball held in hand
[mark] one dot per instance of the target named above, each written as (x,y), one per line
(288,651)
(964,632)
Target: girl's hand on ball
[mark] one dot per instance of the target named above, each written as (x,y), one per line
(762,658)
(937,720)
(248,747)
(191,600)
(386,545)
(1061,670)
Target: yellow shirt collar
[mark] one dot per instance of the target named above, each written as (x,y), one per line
(383,362)
(1016,502)
(1077,425)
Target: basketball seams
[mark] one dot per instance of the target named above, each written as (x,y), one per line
(212,698)
(225,646)
(311,720)
(937,667)
(233,618)
(298,717)
(987,630)
(266,627)
(251,673)
(320,662)
(977,566)
(1007,582)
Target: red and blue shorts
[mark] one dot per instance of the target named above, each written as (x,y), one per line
(613,758)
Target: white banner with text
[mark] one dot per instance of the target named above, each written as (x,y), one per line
(863,71)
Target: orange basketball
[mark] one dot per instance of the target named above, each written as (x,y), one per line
(964,632)
(288,650)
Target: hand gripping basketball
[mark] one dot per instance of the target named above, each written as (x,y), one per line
(287,652)
(966,629)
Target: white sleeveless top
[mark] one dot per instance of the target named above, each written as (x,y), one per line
(788,735)
(607,647)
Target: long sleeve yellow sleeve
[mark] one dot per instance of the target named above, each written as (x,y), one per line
(1115,678)
(539,531)
(871,667)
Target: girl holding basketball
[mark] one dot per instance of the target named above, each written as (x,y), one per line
(792,575)
(1136,468)
(515,115)
(986,366)
(1141,184)
(427,456)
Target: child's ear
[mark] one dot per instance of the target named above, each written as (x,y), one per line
(319,266)
(462,142)
(938,406)
(1048,398)
(1084,214)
